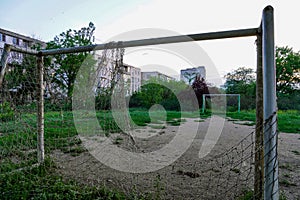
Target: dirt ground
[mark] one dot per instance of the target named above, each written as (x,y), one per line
(225,173)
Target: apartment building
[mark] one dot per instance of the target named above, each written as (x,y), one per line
(134,77)
(188,75)
(131,75)
(17,39)
(155,74)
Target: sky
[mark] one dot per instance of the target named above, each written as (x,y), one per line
(136,19)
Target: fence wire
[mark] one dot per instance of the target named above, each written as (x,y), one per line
(228,175)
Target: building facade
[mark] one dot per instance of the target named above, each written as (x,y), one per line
(188,75)
(135,78)
(13,38)
(155,74)
(131,76)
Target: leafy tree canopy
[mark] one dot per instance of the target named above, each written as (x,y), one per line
(63,69)
(287,69)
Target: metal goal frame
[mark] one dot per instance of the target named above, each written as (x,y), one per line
(266,161)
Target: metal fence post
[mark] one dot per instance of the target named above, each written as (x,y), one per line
(259,151)
(40,107)
(269,101)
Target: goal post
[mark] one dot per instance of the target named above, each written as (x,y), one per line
(268,84)
(217,95)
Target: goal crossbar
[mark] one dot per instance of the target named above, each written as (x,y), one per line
(264,33)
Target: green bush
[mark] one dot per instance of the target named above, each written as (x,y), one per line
(7,113)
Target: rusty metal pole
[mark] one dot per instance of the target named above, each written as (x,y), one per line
(40,107)
(259,141)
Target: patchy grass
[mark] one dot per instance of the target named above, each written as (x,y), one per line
(286,183)
(286,166)
(118,140)
(249,195)
(296,152)
(43,183)
(288,121)
(157,126)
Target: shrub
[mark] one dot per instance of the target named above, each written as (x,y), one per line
(7,113)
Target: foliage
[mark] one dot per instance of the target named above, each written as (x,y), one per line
(200,87)
(287,70)
(6,112)
(157,91)
(289,101)
(242,81)
(21,81)
(172,95)
(62,69)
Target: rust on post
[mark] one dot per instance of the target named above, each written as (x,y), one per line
(259,150)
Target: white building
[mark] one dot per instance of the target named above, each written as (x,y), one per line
(188,75)
(155,74)
(131,76)
(135,78)
(12,38)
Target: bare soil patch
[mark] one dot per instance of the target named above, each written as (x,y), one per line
(212,177)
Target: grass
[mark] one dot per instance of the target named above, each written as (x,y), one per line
(286,183)
(157,126)
(18,150)
(288,121)
(296,152)
(18,142)
(249,195)
(42,182)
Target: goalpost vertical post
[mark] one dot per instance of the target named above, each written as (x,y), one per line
(259,151)
(40,109)
(269,102)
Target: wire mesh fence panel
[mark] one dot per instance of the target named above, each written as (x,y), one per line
(18,116)
(99,92)
(92,141)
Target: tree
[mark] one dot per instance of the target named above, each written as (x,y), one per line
(62,69)
(287,70)
(242,81)
(21,81)
(157,91)
(288,78)
(200,87)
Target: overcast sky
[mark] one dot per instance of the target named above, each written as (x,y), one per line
(114,18)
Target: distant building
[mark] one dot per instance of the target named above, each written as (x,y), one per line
(155,74)
(22,91)
(19,40)
(131,75)
(188,75)
(133,78)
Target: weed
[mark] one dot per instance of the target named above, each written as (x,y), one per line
(286,183)
(296,152)
(118,140)
(199,120)
(157,126)
(286,166)
(159,188)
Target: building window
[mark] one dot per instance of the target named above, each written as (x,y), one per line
(2,37)
(25,44)
(16,41)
